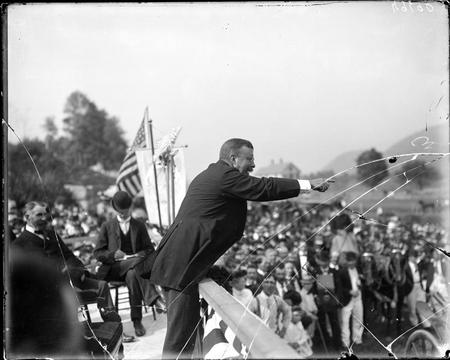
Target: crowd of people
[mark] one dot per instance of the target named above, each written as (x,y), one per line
(299,267)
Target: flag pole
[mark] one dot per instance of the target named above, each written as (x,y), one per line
(172,158)
(150,144)
(168,167)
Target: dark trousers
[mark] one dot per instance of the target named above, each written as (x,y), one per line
(183,320)
(139,289)
(335,338)
(101,288)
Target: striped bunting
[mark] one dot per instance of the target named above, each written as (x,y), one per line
(219,342)
(128,179)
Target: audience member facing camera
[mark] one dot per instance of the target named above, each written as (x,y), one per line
(349,292)
(327,303)
(240,292)
(272,309)
(309,303)
(296,335)
(124,248)
(37,240)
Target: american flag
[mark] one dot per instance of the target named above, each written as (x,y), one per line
(128,179)
(219,341)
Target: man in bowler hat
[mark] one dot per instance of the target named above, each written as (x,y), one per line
(124,248)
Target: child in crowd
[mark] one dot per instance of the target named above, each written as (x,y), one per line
(297,336)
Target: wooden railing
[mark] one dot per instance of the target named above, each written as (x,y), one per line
(261,341)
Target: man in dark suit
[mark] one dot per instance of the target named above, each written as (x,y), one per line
(327,302)
(210,220)
(124,248)
(38,241)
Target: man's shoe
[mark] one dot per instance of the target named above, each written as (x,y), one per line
(110,315)
(160,306)
(139,328)
(128,338)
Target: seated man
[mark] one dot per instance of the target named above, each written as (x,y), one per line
(38,240)
(124,247)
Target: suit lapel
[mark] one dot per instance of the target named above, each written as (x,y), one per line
(132,231)
(117,233)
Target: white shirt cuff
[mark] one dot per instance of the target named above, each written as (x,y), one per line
(305,185)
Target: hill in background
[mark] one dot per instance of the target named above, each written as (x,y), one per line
(435,139)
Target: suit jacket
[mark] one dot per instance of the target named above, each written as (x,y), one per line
(325,300)
(210,220)
(109,242)
(52,248)
(343,285)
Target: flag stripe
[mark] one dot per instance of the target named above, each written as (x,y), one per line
(219,341)
(128,179)
(214,337)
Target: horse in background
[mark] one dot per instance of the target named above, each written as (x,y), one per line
(385,283)
(397,283)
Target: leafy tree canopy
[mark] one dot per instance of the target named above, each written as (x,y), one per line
(371,170)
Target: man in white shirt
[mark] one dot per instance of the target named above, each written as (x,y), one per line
(271,306)
(349,294)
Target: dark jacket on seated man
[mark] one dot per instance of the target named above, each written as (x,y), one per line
(40,241)
(110,239)
(125,250)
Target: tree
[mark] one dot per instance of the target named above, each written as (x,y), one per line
(23,179)
(368,167)
(93,136)
(421,173)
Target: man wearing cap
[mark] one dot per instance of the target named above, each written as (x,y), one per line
(349,294)
(210,220)
(124,248)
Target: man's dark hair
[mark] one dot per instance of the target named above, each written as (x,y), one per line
(32,204)
(294,296)
(238,274)
(232,147)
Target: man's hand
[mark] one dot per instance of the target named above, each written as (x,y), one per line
(320,184)
(119,254)
(282,332)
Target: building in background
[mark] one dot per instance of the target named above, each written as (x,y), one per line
(279,169)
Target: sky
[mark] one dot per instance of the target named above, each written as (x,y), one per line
(304,83)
